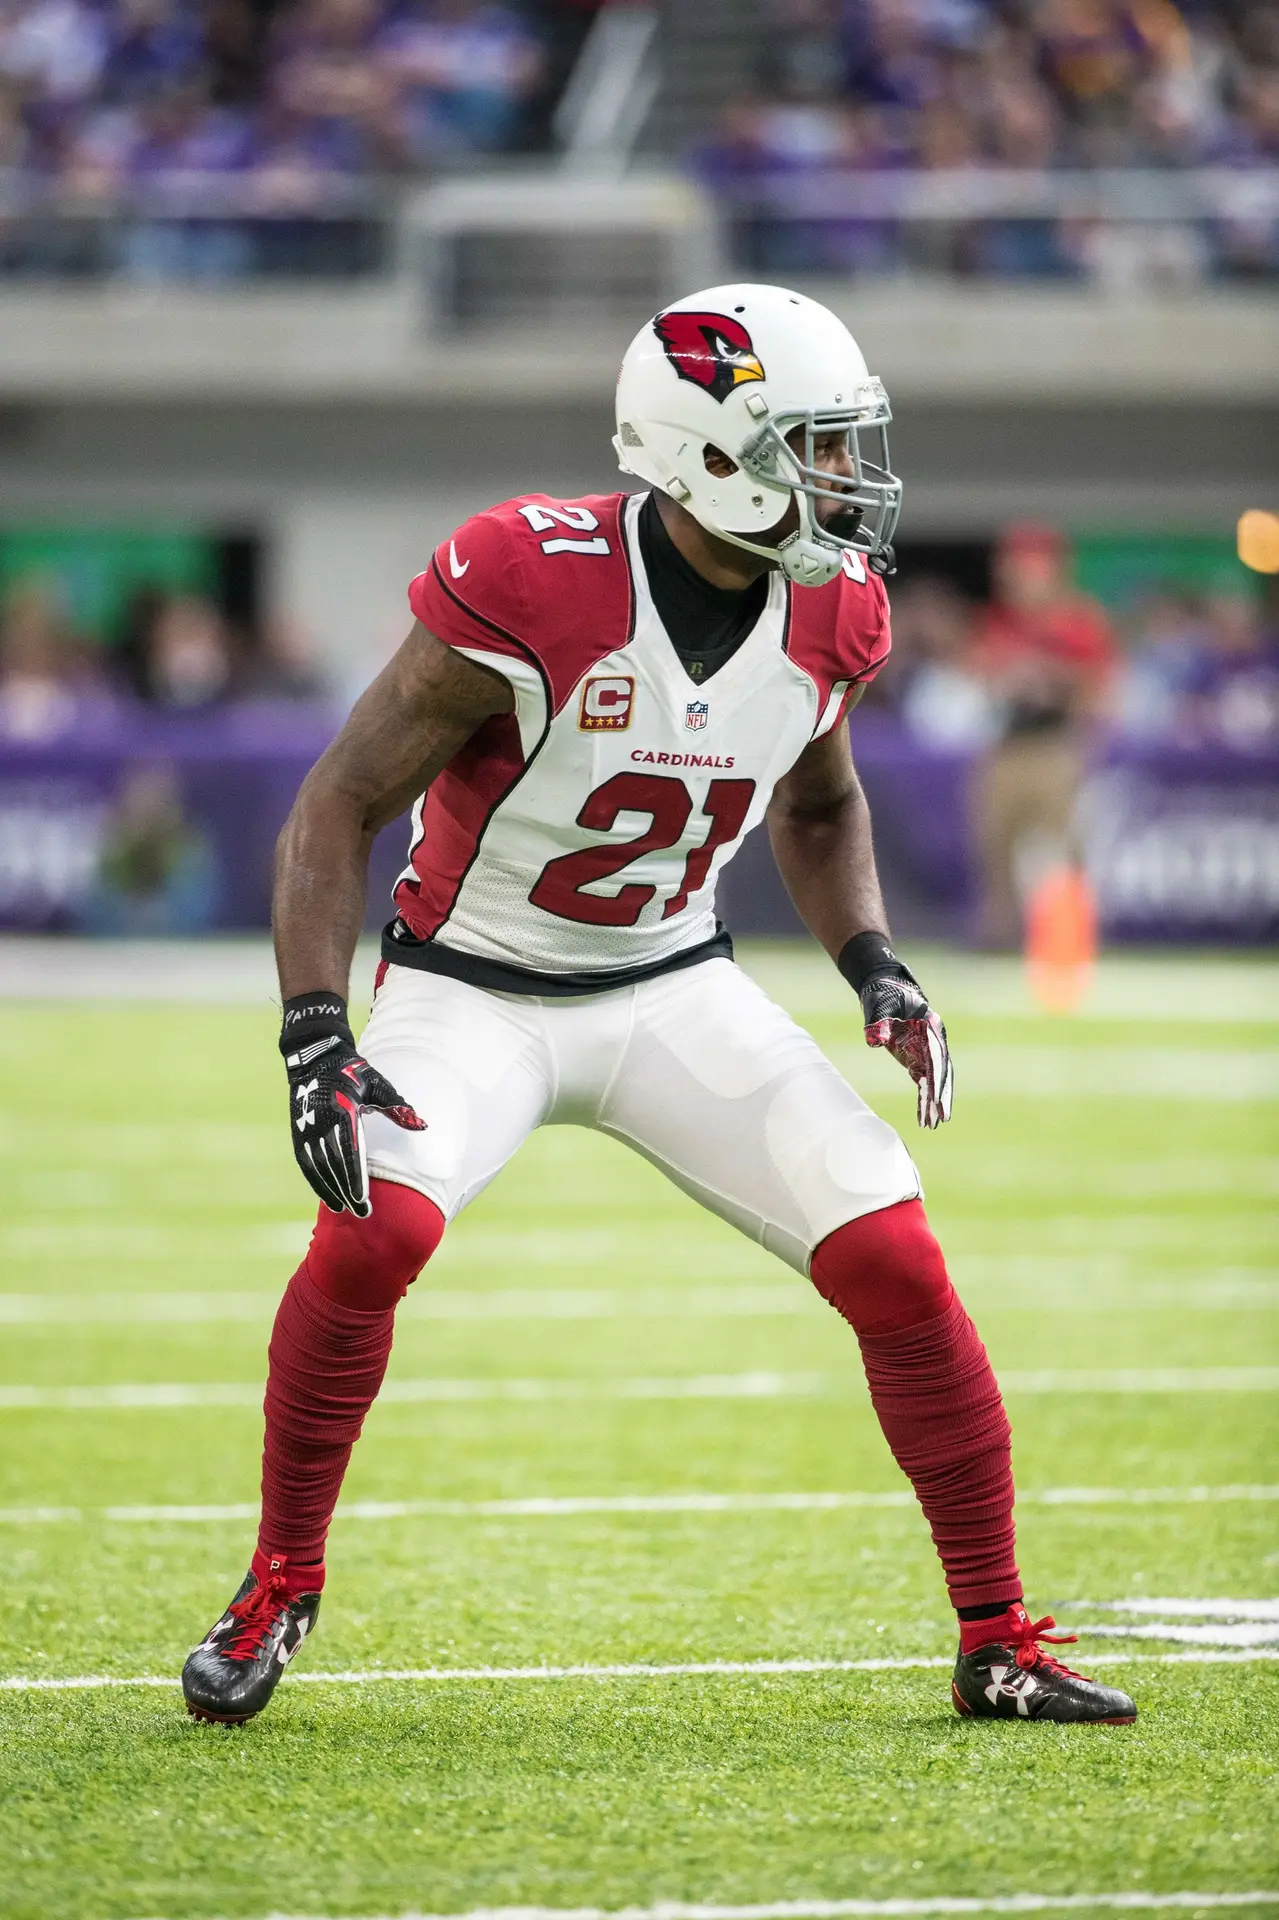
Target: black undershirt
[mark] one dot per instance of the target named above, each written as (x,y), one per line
(706,624)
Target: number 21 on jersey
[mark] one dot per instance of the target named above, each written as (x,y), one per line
(544,519)
(668,802)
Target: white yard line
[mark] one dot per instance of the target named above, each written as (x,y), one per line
(1221,1290)
(642,1670)
(98,1240)
(168,1395)
(525,1303)
(1189,1609)
(1143,1380)
(1102,1245)
(1221,1634)
(1192,1075)
(862,1909)
(555,1507)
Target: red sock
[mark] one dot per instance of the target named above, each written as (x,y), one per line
(328,1353)
(932,1387)
(992,1630)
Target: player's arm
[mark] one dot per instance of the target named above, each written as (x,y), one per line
(819,825)
(401,733)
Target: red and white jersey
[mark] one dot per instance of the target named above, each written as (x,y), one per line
(585,831)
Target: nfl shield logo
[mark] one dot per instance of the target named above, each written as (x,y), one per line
(695,715)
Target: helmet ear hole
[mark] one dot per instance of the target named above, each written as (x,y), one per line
(717,462)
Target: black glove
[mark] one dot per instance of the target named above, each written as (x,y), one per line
(330,1084)
(898,1016)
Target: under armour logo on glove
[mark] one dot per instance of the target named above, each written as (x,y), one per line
(306,1112)
(333,1086)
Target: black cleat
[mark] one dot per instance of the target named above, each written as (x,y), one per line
(1014,1679)
(234,1671)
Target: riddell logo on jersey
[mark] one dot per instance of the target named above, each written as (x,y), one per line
(606,704)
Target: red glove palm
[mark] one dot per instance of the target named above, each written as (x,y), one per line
(898,1017)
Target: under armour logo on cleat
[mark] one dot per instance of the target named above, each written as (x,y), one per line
(1024,1684)
(284,1653)
(306,1113)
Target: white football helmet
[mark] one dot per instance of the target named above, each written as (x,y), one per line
(739,368)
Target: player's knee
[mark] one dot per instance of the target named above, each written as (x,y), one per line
(370,1264)
(884,1272)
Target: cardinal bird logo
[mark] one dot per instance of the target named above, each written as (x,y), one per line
(710,349)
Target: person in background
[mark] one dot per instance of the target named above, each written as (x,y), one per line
(1232,695)
(1165,643)
(1203,670)
(38,668)
(1046,653)
(284,666)
(157,872)
(943,700)
(187,659)
(463,71)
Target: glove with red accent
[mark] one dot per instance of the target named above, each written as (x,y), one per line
(330,1086)
(898,1016)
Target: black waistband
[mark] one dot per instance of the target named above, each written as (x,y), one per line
(403,949)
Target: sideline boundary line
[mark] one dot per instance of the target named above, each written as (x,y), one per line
(84,1683)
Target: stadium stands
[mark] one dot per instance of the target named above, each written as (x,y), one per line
(1043,112)
(212,139)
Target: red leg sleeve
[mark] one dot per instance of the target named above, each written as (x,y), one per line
(932,1387)
(328,1354)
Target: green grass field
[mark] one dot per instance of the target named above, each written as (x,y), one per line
(1106,1195)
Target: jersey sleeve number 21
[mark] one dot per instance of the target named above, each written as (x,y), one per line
(581,519)
(668,802)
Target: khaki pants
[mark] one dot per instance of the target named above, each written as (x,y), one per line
(1024,813)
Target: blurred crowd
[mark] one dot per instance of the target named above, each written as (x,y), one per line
(1029,680)
(272,110)
(963,85)
(1178,665)
(1024,683)
(176,652)
(227,137)
(139,862)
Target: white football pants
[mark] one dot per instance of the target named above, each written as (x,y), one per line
(697,1070)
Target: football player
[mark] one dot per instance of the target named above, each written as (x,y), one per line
(598,699)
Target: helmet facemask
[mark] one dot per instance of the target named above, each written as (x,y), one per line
(869,502)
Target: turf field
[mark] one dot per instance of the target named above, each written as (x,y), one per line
(620,1441)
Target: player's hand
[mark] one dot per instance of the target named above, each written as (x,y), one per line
(330,1086)
(898,1017)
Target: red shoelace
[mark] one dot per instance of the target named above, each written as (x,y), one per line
(1025,1637)
(257,1614)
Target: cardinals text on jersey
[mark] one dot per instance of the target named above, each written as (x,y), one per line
(585,831)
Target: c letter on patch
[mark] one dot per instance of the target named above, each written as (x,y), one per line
(606,704)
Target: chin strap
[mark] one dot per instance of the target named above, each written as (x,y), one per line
(808,562)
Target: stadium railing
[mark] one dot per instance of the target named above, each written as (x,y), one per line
(532,238)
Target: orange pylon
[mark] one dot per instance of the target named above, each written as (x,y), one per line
(1061,940)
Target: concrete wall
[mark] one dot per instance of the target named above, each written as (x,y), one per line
(353,442)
